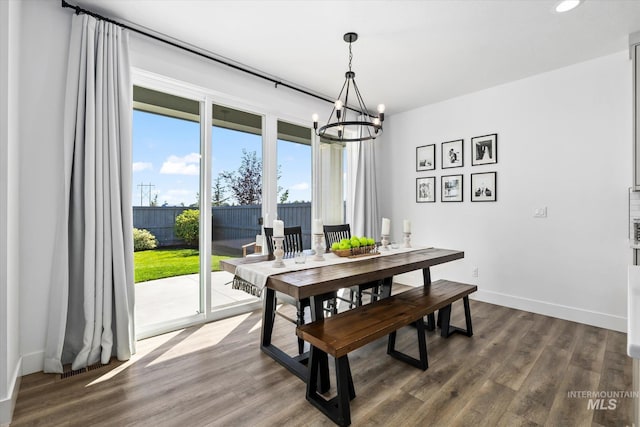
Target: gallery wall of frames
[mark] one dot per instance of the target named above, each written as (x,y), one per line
(481,185)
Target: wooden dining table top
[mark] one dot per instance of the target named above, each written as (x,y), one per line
(322,279)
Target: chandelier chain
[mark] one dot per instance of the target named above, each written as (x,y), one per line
(350,56)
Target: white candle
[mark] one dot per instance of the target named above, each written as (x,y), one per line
(406,226)
(278,228)
(316,227)
(386,226)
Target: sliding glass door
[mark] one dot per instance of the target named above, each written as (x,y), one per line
(236,198)
(294,178)
(206,174)
(166,182)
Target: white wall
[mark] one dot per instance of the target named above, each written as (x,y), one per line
(564,142)
(9,218)
(45,39)
(46,29)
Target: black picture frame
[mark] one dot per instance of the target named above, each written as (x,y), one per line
(426,158)
(451,188)
(452,153)
(426,189)
(484,187)
(484,149)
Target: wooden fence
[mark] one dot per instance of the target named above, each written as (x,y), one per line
(233,226)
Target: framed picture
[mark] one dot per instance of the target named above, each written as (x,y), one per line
(426,189)
(484,149)
(451,188)
(426,158)
(484,187)
(452,154)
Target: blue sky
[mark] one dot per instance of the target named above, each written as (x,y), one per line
(166,155)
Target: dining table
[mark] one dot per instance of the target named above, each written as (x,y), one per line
(320,280)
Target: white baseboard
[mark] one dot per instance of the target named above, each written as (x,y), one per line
(8,403)
(32,362)
(574,314)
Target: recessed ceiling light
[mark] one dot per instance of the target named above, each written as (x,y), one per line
(567,5)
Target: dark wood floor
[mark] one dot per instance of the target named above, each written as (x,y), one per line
(517,369)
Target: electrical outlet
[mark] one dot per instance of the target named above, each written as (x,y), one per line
(540,212)
(474,273)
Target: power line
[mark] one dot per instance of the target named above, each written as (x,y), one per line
(142,186)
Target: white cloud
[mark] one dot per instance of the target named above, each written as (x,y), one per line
(187,165)
(140,166)
(300,186)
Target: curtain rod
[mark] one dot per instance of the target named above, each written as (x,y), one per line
(277,83)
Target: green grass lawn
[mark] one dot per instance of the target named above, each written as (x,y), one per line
(160,263)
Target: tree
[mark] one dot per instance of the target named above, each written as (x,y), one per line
(284,196)
(245,184)
(218,192)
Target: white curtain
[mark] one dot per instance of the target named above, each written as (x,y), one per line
(92,294)
(362,208)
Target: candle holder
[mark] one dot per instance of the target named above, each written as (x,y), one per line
(278,252)
(317,242)
(385,241)
(407,240)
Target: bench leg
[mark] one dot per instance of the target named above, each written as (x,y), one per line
(467,315)
(445,317)
(338,409)
(422,348)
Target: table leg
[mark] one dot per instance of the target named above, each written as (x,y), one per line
(268,317)
(426,281)
(317,313)
(426,277)
(387,282)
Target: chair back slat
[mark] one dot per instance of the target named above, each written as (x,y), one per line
(291,244)
(335,233)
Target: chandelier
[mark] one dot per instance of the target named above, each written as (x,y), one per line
(361,126)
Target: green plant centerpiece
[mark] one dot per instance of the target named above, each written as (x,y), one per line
(354,246)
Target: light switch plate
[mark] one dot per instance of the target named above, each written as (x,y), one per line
(540,212)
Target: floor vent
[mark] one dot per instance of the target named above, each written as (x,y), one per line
(73,373)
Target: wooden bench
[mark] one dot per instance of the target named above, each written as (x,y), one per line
(340,334)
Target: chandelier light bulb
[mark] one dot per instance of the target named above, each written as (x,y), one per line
(381,108)
(567,5)
(338,105)
(314,117)
(376,121)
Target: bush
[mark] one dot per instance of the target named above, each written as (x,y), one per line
(143,240)
(187,226)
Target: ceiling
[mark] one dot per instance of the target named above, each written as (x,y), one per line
(409,53)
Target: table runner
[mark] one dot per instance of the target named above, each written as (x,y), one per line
(252,278)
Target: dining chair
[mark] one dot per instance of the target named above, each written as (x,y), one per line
(291,244)
(335,233)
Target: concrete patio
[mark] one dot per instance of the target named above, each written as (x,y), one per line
(176,297)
